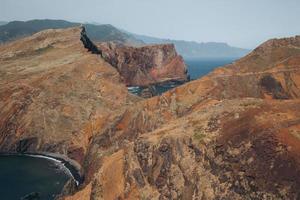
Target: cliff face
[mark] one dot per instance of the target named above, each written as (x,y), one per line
(233,134)
(141,66)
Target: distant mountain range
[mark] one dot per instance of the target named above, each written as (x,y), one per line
(100,33)
(190,49)
(105,32)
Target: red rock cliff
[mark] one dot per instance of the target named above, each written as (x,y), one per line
(140,66)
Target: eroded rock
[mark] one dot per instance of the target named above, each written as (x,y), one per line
(142,66)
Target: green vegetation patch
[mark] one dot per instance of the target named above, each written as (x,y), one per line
(198,135)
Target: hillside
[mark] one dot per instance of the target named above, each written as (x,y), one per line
(194,50)
(233,134)
(101,33)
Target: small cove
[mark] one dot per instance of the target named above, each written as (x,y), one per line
(28,174)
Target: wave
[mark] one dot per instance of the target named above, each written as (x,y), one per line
(56,160)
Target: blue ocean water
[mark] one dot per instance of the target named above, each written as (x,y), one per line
(200,67)
(23,175)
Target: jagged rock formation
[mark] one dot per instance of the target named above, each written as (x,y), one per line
(140,66)
(233,134)
(87,43)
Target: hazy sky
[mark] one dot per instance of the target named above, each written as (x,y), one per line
(242,23)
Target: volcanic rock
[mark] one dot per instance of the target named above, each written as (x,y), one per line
(142,66)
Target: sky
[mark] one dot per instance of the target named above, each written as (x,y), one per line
(240,23)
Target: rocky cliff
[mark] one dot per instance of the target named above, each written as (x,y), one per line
(140,66)
(233,134)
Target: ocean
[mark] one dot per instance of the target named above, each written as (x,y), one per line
(23,175)
(200,67)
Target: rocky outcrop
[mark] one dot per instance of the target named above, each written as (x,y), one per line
(233,134)
(141,66)
(88,44)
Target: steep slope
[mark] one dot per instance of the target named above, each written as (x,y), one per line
(273,69)
(55,94)
(19,29)
(142,66)
(233,134)
(195,50)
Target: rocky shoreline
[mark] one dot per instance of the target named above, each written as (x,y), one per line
(154,89)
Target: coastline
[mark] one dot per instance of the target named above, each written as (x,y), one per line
(72,167)
(156,89)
